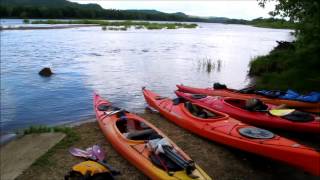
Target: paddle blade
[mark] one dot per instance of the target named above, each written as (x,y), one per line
(280,112)
(79,152)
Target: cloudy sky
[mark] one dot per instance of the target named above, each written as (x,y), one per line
(241,9)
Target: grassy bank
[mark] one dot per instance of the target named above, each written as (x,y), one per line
(126,24)
(289,65)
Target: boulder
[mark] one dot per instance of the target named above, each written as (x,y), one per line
(46,72)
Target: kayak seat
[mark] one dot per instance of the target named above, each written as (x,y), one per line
(128,125)
(177,101)
(147,134)
(198,111)
(193,109)
(255,105)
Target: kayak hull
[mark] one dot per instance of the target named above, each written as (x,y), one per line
(225,130)
(134,150)
(263,119)
(303,106)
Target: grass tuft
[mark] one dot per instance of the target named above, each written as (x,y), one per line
(208,65)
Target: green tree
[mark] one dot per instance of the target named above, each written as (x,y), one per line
(305,12)
(298,66)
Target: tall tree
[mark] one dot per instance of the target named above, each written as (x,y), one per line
(305,12)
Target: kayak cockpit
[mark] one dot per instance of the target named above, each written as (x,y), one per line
(133,129)
(239,103)
(252,104)
(200,112)
(158,149)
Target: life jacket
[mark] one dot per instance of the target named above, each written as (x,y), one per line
(89,170)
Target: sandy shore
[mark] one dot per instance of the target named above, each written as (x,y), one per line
(219,161)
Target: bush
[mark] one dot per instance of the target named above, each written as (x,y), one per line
(288,68)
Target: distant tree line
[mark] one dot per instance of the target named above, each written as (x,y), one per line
(273,23)
(16,11)
(62,9)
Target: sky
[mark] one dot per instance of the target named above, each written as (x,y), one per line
(239,9)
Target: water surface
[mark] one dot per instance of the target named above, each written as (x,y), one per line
(117,64)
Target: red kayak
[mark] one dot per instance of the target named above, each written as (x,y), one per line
(219,127)
(236,109)
(303,106)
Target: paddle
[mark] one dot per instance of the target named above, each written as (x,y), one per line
(280,112)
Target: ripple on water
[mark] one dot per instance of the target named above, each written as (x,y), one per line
(116,65)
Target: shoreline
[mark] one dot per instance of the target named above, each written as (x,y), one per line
(7,137)
(46,27)
(219,161)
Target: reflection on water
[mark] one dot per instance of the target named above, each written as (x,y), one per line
(117,64)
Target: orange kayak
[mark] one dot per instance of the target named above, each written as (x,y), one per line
(219,127)
(132,137)
(303,106)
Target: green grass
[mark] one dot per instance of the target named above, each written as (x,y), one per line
(71,138)
(288,68)
(208,65)
(126,24)
(189,25)
(154,26)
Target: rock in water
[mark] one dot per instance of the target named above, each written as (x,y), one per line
(45,72)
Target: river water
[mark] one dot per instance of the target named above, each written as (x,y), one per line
(117,64)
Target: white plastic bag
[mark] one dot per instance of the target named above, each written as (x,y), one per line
(156,145)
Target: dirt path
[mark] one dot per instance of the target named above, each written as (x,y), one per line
(220,162)
(18,155)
